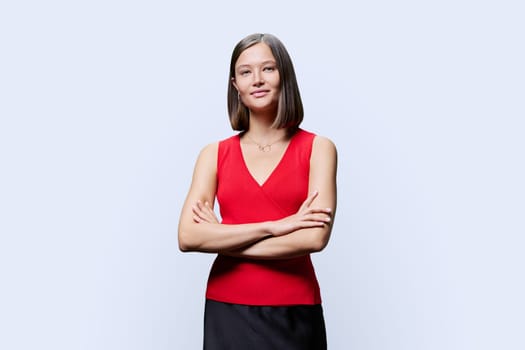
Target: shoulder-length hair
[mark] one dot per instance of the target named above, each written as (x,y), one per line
(290,107)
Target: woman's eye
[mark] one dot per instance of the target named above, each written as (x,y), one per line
(244,72)
(269,69)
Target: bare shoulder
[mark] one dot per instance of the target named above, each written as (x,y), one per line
(323,171)
(207,160)
(323,146)
(209,151)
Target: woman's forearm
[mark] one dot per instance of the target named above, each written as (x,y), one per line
(298,243)
(216,237)
(202,231)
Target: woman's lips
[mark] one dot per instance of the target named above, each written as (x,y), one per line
(259,93)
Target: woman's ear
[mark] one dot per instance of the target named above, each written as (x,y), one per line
(234,84)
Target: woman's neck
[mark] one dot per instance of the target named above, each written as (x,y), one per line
(261,128)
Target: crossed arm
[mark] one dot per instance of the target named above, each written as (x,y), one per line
(306,231)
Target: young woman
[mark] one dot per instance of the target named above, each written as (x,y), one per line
(275,184)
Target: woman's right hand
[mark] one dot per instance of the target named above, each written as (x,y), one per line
(306,217)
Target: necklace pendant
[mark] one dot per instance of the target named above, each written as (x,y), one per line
(265,148)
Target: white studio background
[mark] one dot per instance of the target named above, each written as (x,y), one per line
(104,106)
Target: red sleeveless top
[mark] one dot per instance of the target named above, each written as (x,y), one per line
(242,200)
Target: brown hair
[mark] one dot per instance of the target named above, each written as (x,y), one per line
(290,108)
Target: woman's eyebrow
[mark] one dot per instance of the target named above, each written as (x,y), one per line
(250,65)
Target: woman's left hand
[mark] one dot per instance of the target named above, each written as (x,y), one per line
(203,213)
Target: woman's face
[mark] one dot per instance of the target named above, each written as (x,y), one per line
(257,78)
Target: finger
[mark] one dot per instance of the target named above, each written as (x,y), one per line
(318,218)
(197,209)
(199,205)
(203,217)
(319,210)
(208,208)
(198,218)
(311,224)
(310,199)
(209,211)
(201,214)
(207,214)
(324,211)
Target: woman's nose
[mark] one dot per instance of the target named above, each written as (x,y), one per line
(258,78)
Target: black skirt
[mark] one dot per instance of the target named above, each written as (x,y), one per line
(244,327)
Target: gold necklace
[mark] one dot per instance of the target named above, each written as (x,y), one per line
(267,147)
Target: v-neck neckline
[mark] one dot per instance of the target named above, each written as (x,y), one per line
(273,171)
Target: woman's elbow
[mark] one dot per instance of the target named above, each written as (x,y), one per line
(319,241)
(184,248)
(185,244)
(318,245)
